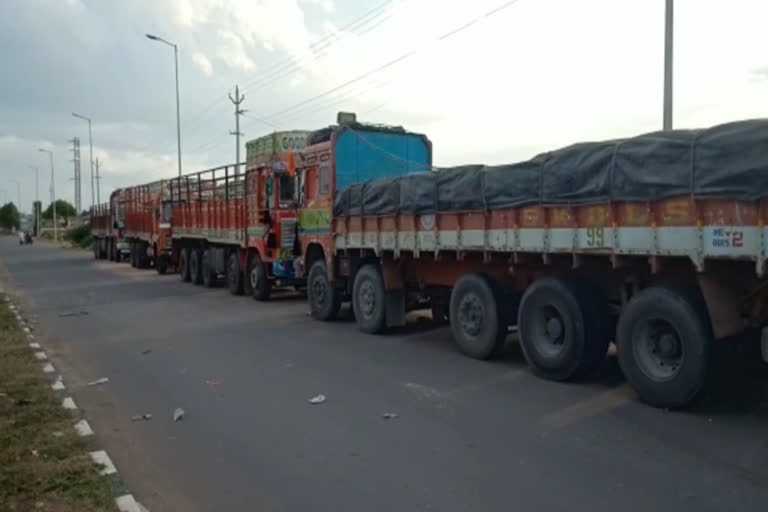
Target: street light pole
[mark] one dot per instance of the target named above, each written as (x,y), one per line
(668,60)
(90,144)
(178,113)
(53,195)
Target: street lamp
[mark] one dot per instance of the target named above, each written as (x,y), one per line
(90,144)
(178,120)
(53,194)
(36,209)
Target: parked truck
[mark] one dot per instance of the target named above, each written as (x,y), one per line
(657,243)
(147,225)
(107,229)
(247,227)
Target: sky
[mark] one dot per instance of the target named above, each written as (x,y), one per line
(518,78)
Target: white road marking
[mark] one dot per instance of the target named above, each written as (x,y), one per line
(58,385)
(48,368)
(126,503)
(100,457)
(34,345)
(41,356)
(83,429)
(68,403)
(26,330)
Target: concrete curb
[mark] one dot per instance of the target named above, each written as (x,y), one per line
(125,502)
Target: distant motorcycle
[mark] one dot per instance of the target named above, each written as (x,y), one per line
(25,237)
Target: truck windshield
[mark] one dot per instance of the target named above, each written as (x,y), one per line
(287,188)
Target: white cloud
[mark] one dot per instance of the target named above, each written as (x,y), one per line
(203,63)
(232,51)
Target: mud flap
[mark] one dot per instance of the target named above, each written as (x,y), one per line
(395,308)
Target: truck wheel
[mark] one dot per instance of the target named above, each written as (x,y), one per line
(95,243)
(142,259)
(324,299)
(209,276)
(161,264)
(563,329)
(184,265)
(195,267)
(234,276)
(133,256)
(261,287)
(368,298)
(477,325)
(664,340)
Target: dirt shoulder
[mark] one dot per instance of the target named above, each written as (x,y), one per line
(44,465)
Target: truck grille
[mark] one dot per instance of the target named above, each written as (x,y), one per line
(287,234)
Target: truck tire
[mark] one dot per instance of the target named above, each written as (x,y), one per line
(209,276)
(184,266)
(563,328)
(324,299)
(664,341)
(196,267)
(476,319)
(95,244)
(234,275)
(368,299)
(134,256)
(161,264)
(142,258)
(261,287)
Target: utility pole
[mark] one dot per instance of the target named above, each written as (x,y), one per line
(668,60)
(236,101)
(90,144)
(98,183)
(53,195)
(76,160)
(36,205)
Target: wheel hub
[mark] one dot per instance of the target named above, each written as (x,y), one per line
(318,290)
(554,329)
(471,314)
(254,278)
(367,298)
(658,350)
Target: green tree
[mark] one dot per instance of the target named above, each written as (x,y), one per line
(9,216)
(64,210)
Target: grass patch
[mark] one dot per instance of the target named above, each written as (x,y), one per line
(79,236)
(44,465)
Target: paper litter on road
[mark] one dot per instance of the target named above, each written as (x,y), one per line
(147,351)
(178,414)
(319,399)
(389,415)
(141,417)
(96,382)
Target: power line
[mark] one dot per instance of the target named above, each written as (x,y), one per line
(277,67)
(394,61)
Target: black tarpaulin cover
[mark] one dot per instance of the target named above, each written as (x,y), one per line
(728,161)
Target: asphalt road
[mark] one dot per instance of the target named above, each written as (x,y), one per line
(469,436)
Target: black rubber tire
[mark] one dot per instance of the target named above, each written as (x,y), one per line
(260,285)
(134,256)
(184,266)
(583,320)
(95,244)
(161,264)
(486,339)
(234,275)
(196,267)
(324,299)
(209,276)
(142,259)
(368,299)
(687,314)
